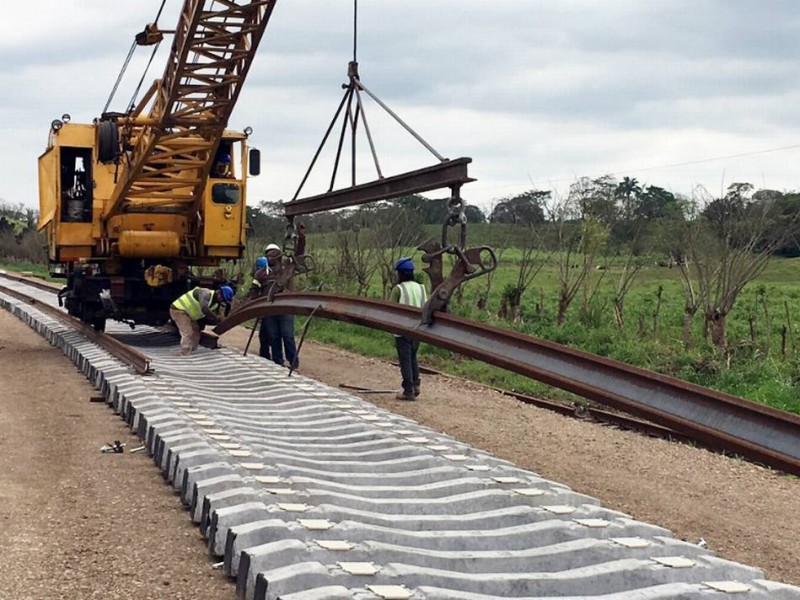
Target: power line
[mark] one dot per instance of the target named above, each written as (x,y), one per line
(653,168)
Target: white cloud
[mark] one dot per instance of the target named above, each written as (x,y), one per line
(531,90)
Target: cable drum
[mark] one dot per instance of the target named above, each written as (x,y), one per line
(108,141)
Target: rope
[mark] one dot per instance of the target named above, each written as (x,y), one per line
(119,77)
(127,62)
(158,15)
(141,81)
(355,30)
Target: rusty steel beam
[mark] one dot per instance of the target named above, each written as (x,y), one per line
(757,432)
(131,357)
(445,174)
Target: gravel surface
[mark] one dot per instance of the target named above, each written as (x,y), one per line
(82,524)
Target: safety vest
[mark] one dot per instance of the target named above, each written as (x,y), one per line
(412,293)
(191,305)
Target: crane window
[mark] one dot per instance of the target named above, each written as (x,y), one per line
(225,193)
(76,185)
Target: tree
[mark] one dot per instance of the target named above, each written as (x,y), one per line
(730,243)
(628,191)
(356,251)
(525,209)
(528,266)
(577,246)
(395,229)
(474,214)
(595,199)
(656,203)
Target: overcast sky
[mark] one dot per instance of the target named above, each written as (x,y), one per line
(536,92)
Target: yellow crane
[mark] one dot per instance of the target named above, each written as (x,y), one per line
(130,202)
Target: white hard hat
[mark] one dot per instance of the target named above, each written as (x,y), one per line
(272,247)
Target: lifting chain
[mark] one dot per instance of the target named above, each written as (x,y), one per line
(470,262)
(455,217)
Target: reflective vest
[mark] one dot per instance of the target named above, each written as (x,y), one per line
(191,305)
(412,293)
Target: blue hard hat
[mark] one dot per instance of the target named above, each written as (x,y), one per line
(404,264)
(261,262)
(227,293)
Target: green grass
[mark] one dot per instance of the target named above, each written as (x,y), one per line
(39,270)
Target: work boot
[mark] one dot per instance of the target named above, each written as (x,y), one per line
(405,396)
(416,390)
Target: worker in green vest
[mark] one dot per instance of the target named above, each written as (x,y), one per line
(198,303)
(407,291)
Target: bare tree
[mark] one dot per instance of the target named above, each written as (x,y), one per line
(627,276)
(578,243)
(630,271)
(729,244)
(395,231)
(356,250)
(530,262)
(500,244)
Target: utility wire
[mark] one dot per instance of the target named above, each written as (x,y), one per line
(656,167)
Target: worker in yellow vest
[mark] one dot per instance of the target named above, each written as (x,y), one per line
(407,291)
(196,304)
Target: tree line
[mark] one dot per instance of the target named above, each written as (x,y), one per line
(19,239)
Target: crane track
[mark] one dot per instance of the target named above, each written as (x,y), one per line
(309,493)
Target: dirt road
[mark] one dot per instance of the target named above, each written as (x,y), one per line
(79,524)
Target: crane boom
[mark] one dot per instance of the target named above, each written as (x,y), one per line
(173,147)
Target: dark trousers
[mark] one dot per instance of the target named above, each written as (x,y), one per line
(281,332)
(409,369)
(264,339)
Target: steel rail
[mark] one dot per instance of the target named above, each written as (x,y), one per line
(31,281)
(207,340)
(754,431)
(135,359)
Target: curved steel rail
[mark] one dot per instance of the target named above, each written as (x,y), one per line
(757,432)
(138,361)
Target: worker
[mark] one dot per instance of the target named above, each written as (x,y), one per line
(280,328)
(408,291)
(222,164)
(196,304)
(259,286)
